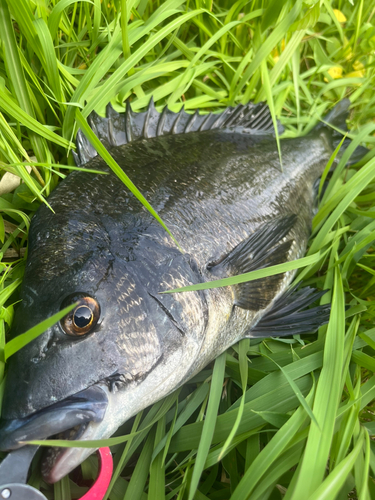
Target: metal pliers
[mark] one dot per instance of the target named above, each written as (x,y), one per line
(15,467)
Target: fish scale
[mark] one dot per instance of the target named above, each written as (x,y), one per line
(217,182)
(190,216)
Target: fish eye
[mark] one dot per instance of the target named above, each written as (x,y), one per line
(83,318)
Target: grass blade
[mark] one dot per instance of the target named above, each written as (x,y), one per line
(15,72)
(209,423)
(243,362)
(319,440)
(23,339)
(117,169)
(139,476)
(253,275)
(332,485)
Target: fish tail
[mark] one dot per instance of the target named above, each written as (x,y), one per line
(334,123)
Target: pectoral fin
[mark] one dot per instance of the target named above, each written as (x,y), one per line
(267,246)
(289,315)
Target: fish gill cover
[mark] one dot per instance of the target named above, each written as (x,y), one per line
(238,429)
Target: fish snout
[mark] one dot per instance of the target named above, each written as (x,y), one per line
(70,416)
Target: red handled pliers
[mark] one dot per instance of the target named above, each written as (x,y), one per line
(15,466)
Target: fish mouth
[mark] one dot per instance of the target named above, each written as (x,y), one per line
(67,419)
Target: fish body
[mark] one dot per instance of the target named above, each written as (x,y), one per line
(221,191)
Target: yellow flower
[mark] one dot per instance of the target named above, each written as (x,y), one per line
(339,16)
(358,66)
(359,70)
(335,72)
(348,53)
(355,74)
(275,53)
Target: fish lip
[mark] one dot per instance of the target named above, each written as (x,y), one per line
(57,462)
(74,413)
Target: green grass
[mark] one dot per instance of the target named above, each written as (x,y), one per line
(241,428)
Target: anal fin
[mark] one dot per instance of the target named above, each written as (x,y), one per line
(289,316)
(267,246)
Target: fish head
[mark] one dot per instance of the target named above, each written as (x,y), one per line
(120,349)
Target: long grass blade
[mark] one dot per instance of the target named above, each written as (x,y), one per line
(209,423)
(118,170)
(253,275)
(327,392)
(23,339)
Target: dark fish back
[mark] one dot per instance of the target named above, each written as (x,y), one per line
(211,188)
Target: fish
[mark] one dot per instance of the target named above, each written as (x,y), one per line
(217,183)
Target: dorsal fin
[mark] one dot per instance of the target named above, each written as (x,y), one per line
(117,129)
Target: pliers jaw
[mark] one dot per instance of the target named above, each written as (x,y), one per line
(13,475)
(20,492)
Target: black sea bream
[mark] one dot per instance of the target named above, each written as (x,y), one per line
(216,182)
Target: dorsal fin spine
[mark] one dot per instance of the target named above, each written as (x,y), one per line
(234,115)
(219,123)
(120,128)
(128,125)
(161,122)
(191,121)
(206,120)
(146,134)
(77,159)
(176,122)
